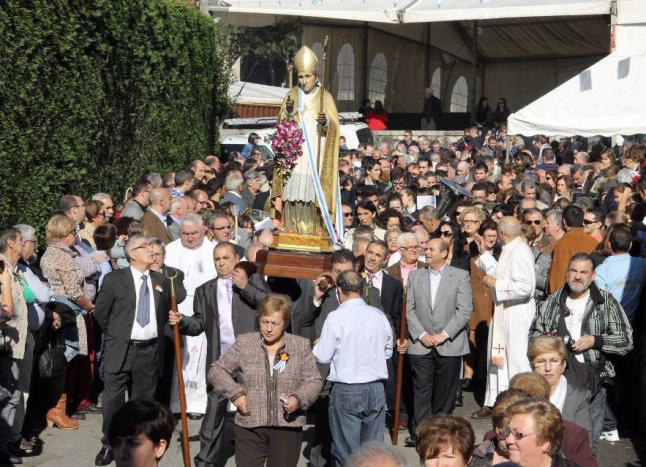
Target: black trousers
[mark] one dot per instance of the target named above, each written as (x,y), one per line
(435,384)
(280,447)
(212,431)
(321,446)
(139,376)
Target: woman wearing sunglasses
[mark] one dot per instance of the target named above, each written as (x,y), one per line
(453,239)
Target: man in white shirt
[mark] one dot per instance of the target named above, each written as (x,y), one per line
(356,341)
(438,308)
(192,254)
(132,330)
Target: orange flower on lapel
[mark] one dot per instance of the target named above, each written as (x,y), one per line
(159,289)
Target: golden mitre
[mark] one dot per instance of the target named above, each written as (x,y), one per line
(305,60)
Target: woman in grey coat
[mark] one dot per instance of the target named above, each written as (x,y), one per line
(547,355)
(271,377)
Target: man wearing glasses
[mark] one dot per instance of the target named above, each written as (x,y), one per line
(221,230)
(134,332)
(409,249)
(542,247)
(192,254)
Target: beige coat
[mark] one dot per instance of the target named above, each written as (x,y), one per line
(15,330)
(248,358)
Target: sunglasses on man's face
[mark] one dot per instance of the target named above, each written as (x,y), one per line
(535,222)
(446,233)
(588,222)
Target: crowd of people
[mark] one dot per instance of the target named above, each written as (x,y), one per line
(526,291)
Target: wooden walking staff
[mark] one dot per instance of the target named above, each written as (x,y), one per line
(394,434)
(180,375)
(321,93)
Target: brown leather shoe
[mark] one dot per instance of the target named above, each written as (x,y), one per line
(482,413)
(58,417)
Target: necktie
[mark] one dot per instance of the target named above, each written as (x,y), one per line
(228,285)
(143,308)
(371,279)
(169,220)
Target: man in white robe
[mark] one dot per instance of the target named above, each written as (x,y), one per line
(513,284)
(192,253)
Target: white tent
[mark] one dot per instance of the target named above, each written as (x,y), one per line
(606,99)
(403,11)
(242,92)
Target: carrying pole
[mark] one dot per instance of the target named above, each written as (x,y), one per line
(394,434)
(186,449)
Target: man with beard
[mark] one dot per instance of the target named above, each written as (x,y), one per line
(596,327)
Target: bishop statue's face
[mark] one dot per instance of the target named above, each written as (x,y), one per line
(307,81)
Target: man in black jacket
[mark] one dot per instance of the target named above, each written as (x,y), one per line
(224,308)
(131,310)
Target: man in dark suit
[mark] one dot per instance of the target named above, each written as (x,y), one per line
(131,310)
(154,221)
(438,309)
(224,308)
(391,294)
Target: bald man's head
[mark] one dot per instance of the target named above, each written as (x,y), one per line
(509,228)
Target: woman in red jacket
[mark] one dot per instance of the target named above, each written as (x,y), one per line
(377,118)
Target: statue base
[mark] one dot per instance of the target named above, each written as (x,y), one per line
(301,242)
(292,264)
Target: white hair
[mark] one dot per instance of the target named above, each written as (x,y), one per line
(191,219)
(404,238)
(373,453)
(101,196)
(233,181)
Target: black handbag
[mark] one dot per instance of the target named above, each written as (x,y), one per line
(52,362)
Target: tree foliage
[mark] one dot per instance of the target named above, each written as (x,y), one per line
(271,43)
(96,93)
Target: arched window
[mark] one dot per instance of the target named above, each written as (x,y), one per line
(345,73)
(317,48)
(436,83)
(460,95)
(378,79)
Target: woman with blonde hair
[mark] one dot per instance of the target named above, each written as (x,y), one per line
(547,355)
(470,221)
(67,282)
(534,435)
(95,217)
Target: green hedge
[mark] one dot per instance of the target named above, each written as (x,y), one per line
(96,93)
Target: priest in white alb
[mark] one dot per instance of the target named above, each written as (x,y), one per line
(192,253)
(513,281)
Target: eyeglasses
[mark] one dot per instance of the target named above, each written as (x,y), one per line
(347,214)
(552,361)
(143,245)
(224,227)
(446,233)
(470,221)
(588,222)
(516,434)
(535,222)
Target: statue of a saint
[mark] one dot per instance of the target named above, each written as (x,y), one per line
(310,193)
